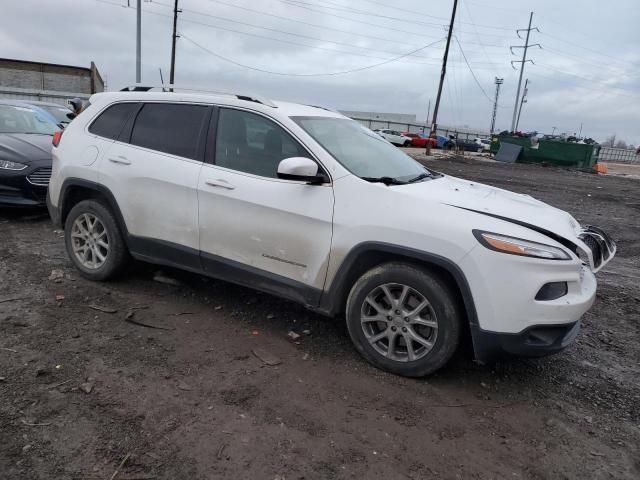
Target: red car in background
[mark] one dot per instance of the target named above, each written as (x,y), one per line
(418,140)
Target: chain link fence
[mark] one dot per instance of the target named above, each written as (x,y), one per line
(461,134)
(618,155)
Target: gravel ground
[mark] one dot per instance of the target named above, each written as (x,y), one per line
(85,393)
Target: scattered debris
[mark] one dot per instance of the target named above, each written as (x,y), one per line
(60,384)
(305,356)
(293,335)
(56,276)
(59,298)
(159,277)
(35,424)
(12,299)
(221,450)
(184,386)
(3,379)
(124,460)
(129,318)
(271,316)
(597,454)
(181,313)
(267,357)
(42,370)
(102,309)
(86,387)
(306,332)
(26,448)
(219,307)
(255,332)
(9,349)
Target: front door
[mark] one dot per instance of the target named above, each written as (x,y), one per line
(257,229)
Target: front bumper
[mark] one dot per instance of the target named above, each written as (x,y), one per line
(535,341)
(18,190)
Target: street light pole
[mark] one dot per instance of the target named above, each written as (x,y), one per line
(139,42)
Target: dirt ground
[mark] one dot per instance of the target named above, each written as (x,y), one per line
(189,399)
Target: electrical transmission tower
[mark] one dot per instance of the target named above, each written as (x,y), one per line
(498,81)
(524,60)
(523,100)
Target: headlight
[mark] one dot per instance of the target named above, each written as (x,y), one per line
(518,246)
(7,165)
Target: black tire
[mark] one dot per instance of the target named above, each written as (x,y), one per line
(117,257)
(439,295)
(407,144)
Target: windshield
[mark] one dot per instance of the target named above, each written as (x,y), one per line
(14,119)
(361,151)
(59,113)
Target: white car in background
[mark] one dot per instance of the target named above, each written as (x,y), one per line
(304,203)
(393,136)
(484,143)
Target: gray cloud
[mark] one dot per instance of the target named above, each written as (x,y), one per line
(587,71)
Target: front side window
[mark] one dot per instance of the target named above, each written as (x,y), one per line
(111,122)
(17,119)
(360,150)
(253,144)
(170,128)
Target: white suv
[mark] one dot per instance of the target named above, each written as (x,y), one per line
(304,203)
(394,137)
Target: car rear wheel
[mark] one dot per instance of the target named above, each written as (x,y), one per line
(94,242)
(404,319)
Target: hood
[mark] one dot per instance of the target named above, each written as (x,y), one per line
(513,207)
(25,148)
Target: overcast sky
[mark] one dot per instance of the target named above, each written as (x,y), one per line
(588,70)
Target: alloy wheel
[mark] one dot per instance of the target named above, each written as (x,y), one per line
(90,241)
(399,322)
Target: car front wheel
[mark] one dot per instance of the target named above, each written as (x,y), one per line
(94,242)
(404,319)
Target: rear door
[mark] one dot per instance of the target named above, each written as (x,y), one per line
(153,173)
(257,229)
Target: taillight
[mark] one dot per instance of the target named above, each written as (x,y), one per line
(56,138)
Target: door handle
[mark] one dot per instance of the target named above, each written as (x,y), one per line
(120,160)
(218,182)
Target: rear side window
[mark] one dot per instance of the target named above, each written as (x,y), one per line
(170,128)
(110,122)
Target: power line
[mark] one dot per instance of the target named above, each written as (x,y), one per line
(324,27)
(353,20)
(471,70)
(275,30)
(342,8)
(343,72)
(475,29)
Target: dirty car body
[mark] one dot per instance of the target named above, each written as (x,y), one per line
(305,203)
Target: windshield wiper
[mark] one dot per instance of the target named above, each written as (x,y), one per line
(386,180)
(422,176)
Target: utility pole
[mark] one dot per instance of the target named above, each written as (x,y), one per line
(428,112)
(522,101)
(522,62)
(580,134)
(434,120)
(139,42)
(173,42)
(498,82)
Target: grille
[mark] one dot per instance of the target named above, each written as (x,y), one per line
(40,177)
(600,244)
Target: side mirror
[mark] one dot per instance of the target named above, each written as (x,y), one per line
(299,168)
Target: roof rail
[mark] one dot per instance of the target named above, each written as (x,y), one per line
(171,87)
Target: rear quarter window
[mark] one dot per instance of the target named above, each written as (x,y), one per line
(110,122)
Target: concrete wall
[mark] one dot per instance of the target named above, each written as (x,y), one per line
(22,80)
